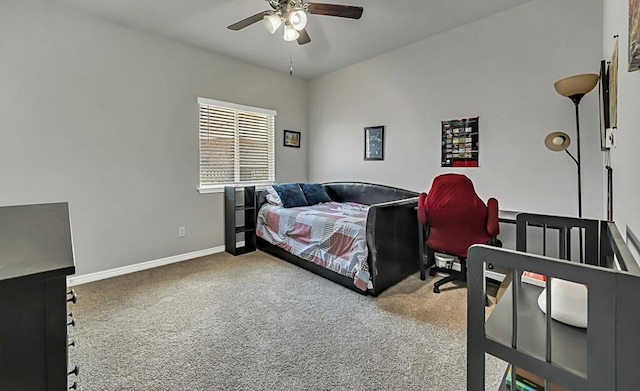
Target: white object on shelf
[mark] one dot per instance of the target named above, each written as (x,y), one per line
(569,302)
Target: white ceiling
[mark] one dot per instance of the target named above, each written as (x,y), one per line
(335,42)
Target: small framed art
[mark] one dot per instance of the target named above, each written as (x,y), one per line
(374,143)
(291,139)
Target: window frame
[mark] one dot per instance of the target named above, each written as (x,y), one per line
(218,188)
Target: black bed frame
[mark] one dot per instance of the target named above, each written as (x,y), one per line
(391,229)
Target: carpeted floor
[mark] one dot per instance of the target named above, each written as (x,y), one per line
(255,322)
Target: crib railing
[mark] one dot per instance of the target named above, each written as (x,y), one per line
(600,357)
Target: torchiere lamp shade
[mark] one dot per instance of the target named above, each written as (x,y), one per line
(576,85)
(557,141)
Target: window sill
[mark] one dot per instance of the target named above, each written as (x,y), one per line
(220,188)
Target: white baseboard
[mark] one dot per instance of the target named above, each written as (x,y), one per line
(119,271)
(494,275)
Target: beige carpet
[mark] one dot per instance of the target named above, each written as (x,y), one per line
(255,322)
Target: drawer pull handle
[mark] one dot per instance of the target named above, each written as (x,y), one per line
(72,323)
(75,371)
(74,296)
(74,386)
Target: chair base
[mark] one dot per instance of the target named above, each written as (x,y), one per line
(453,275)
(449,278)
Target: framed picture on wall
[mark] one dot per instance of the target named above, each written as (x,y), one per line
(634,35)
(604,103)
(613,87)
(374,143)
(460,139)
(291,139)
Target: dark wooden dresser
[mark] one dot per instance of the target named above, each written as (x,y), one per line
(36,255)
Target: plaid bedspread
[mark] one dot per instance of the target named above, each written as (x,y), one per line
(332,235)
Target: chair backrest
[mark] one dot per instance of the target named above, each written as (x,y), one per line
(456,216)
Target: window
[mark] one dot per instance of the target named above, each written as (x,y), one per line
(236,144)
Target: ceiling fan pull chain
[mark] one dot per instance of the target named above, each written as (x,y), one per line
(290,64)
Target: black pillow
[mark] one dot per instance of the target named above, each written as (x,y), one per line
(291,195)
(314,193)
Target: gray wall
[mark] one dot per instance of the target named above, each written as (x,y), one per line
(105,117)
(501,68)
(625,157)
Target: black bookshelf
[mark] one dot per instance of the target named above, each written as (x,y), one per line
(234,226)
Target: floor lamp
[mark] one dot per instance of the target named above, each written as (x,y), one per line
(574,88)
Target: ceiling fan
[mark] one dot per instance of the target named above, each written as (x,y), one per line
(293,15)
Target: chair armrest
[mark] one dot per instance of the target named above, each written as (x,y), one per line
(493,222)
(422,208)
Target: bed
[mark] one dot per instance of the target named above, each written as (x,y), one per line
(365,238)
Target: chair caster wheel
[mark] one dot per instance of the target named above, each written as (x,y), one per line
(436,289)
(432,272)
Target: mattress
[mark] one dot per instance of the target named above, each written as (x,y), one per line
(331,235)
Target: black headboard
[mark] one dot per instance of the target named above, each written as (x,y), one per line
(360,192)
(365,193)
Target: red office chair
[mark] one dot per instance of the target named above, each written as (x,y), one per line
(452,218)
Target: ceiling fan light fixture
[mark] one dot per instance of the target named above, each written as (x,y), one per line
(272,22)
(290,33)
(298,19)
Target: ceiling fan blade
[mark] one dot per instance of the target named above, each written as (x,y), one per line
(343,11)
(248,21)
(304,37)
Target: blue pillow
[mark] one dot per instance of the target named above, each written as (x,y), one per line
(291,195)
(314,193)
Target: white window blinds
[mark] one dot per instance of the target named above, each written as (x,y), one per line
(236,143)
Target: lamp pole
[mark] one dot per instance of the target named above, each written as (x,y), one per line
(575,87)
(576,101)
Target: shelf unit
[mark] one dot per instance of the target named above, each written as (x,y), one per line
(233,208)
(602,357)
(568,344)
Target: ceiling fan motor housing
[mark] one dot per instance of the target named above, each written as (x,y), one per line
(288,4)
(293,14)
